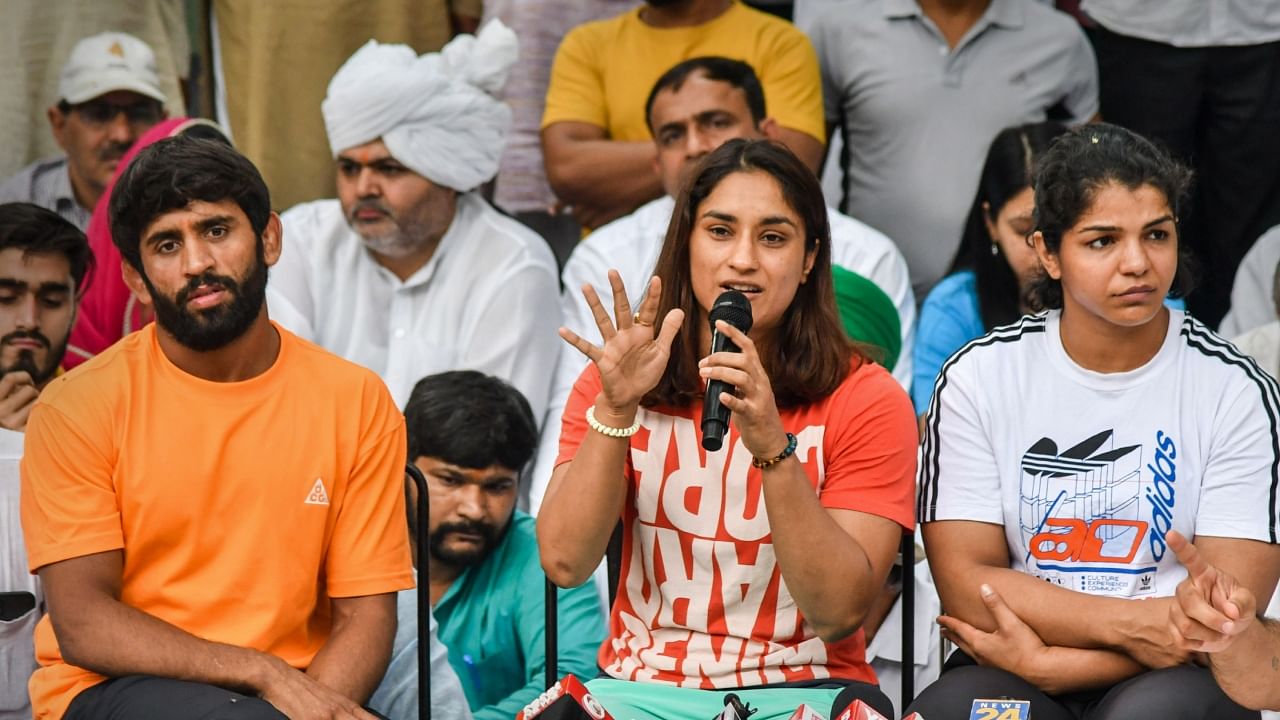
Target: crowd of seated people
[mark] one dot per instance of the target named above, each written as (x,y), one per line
(208,403)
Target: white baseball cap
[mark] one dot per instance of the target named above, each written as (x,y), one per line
(107,62)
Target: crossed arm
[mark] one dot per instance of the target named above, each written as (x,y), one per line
(1058,651)
(98,632)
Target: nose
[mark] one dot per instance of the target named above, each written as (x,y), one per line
(119,129)
(698,143)
(27,312)
(743,256)
(196,257)
(367,183)
(471,503)
(1133,258)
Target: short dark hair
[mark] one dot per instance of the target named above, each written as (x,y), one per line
(1081,162)
(811,355)
(1009,169)
(37,230)
(721,69)
(471,420)
(174,172)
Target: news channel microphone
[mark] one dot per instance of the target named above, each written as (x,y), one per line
(735,309)
(568,699)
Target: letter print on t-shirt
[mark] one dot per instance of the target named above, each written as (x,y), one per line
(1093,517)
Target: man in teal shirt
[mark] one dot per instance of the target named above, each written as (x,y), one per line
(471,434)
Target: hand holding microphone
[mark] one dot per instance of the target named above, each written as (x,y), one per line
(737,384)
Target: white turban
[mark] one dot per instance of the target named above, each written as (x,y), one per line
(435,113)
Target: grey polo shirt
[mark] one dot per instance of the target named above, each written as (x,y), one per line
(46,183)
(1190,23)
(919,117)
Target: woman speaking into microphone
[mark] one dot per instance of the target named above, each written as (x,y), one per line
(749,568)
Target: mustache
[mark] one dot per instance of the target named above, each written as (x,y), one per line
(26,335)
(467,527)
(368,205)
(114,151)
(208,278)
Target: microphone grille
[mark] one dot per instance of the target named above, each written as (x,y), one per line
(732,307)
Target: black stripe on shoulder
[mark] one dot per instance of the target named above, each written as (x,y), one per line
(1210,344)
(927,493)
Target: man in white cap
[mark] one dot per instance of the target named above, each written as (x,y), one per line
(410,272)
(108,96)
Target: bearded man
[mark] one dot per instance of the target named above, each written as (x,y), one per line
(213,505)
(410,271)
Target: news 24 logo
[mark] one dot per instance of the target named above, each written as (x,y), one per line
(1000,710)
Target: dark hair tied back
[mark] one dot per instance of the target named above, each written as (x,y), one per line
(1079,164)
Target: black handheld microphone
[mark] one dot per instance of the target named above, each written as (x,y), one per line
(733,308)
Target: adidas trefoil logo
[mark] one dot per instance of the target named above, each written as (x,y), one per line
(318,495)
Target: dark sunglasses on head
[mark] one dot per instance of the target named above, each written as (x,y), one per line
(101,112)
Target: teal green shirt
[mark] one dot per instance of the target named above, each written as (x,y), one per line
(492,620)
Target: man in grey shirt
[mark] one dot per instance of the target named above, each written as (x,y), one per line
(921,87)
(1203,79)
(108,96)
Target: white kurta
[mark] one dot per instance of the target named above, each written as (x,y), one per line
(487,300)
(631,245)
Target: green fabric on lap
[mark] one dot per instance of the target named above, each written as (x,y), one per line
(627,700)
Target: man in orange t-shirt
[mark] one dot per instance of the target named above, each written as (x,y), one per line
(213,505)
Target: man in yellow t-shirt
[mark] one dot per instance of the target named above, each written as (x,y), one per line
(595,139)
(213,505)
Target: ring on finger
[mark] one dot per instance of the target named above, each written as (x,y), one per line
(637,321)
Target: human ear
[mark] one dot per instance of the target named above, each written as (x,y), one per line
(1048,259)
(272,240)
(133,279)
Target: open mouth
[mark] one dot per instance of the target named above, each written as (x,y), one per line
(747,289)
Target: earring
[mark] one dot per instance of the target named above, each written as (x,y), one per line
(995,249)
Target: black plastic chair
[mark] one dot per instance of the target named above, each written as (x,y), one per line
(419,524)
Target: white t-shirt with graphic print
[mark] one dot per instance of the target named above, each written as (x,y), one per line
(1093,469)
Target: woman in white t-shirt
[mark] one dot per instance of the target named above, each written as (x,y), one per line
(1060,449)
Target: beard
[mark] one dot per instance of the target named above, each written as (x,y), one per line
(26,359)
(215,327)
(400,241)
(490,537)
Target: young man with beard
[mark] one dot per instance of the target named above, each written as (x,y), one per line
(470,434)
(212,505)
(43,263)
(410,271)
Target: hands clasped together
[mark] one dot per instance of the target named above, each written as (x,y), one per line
(634,357)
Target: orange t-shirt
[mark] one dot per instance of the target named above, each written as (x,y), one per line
(241,507)
(701,602)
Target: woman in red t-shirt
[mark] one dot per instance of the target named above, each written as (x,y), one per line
(752,566)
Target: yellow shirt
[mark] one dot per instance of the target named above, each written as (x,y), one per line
(241,507)
(604,70)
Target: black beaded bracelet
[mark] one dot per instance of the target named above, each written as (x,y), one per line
(786,453)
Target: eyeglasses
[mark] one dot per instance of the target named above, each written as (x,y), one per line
(101,112)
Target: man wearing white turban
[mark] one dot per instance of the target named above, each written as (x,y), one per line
(410,271)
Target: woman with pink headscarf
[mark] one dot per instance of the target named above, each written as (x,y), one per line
(108,310)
